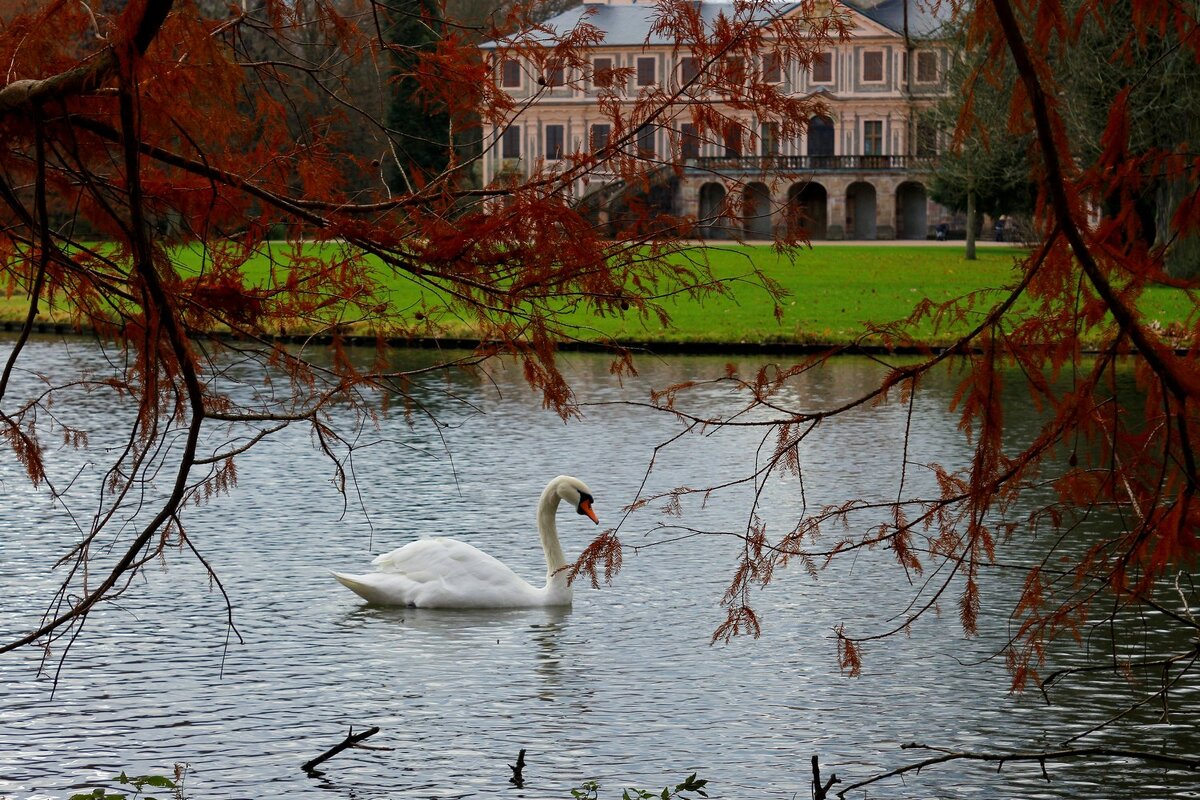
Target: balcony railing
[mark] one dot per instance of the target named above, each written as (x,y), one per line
(812,163)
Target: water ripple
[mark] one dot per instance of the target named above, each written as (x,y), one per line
(623,689)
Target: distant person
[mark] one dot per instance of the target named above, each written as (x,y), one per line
(941,231)
(1000,223)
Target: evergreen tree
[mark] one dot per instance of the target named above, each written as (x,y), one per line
(1107,55)
(420,130)
(987,171)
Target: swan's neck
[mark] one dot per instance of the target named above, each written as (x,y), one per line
(548,531)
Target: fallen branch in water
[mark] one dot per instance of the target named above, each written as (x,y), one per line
(820,792)
(351,740)
(518,779)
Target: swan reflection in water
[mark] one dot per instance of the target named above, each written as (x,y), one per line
(464,623)
(482,634)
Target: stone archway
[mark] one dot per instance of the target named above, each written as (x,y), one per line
(756,211)
(808,209)
(911,211)
(710,223)
(860,210)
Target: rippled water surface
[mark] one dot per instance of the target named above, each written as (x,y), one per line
(624,688)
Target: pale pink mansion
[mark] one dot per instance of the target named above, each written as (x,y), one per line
(859,172)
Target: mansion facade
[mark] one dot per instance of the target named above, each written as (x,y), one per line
(859,171)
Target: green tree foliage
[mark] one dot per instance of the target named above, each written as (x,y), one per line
(420,127)
(1150,63)
(1110,51)
(986,157)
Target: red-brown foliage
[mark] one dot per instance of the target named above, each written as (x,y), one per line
(173,127)
(1083,280)
(239,134)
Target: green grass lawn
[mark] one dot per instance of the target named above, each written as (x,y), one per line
(833,290)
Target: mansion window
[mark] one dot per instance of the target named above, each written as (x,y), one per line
(926,137)
(510,142)
(822,68)
(646,69)
(873,137)
(820,136)
(645,141)
(733,140)
(927,66)
(602,77)
(772,68)
(555,74)
(690,140)
(599,136)
(554,142)
(734,71)
(768,138)
(689,69)
(510,73)
(872,66)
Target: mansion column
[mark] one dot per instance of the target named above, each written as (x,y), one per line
(885,209)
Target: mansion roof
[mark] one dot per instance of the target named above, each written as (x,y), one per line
(628,23)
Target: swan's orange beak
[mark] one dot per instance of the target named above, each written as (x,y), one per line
(585,506)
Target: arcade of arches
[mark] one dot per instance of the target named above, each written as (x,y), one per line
(828,207)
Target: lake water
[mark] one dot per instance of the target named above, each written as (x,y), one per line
(624,688)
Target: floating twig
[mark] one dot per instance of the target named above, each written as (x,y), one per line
(351,740)
(517,779)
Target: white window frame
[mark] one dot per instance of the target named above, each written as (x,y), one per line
(727,65)
(862,66)
(612,65)
(503,61)
(555,65)
(937,67)
(865,123)
(769,143)
(812,76)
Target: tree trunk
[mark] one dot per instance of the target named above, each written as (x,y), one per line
(1182,259)
(972,224)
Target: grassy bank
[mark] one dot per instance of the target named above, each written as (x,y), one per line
(833,291)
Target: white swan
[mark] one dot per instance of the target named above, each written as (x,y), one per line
(447,573)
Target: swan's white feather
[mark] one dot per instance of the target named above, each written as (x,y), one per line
(442,573)
(448,573)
